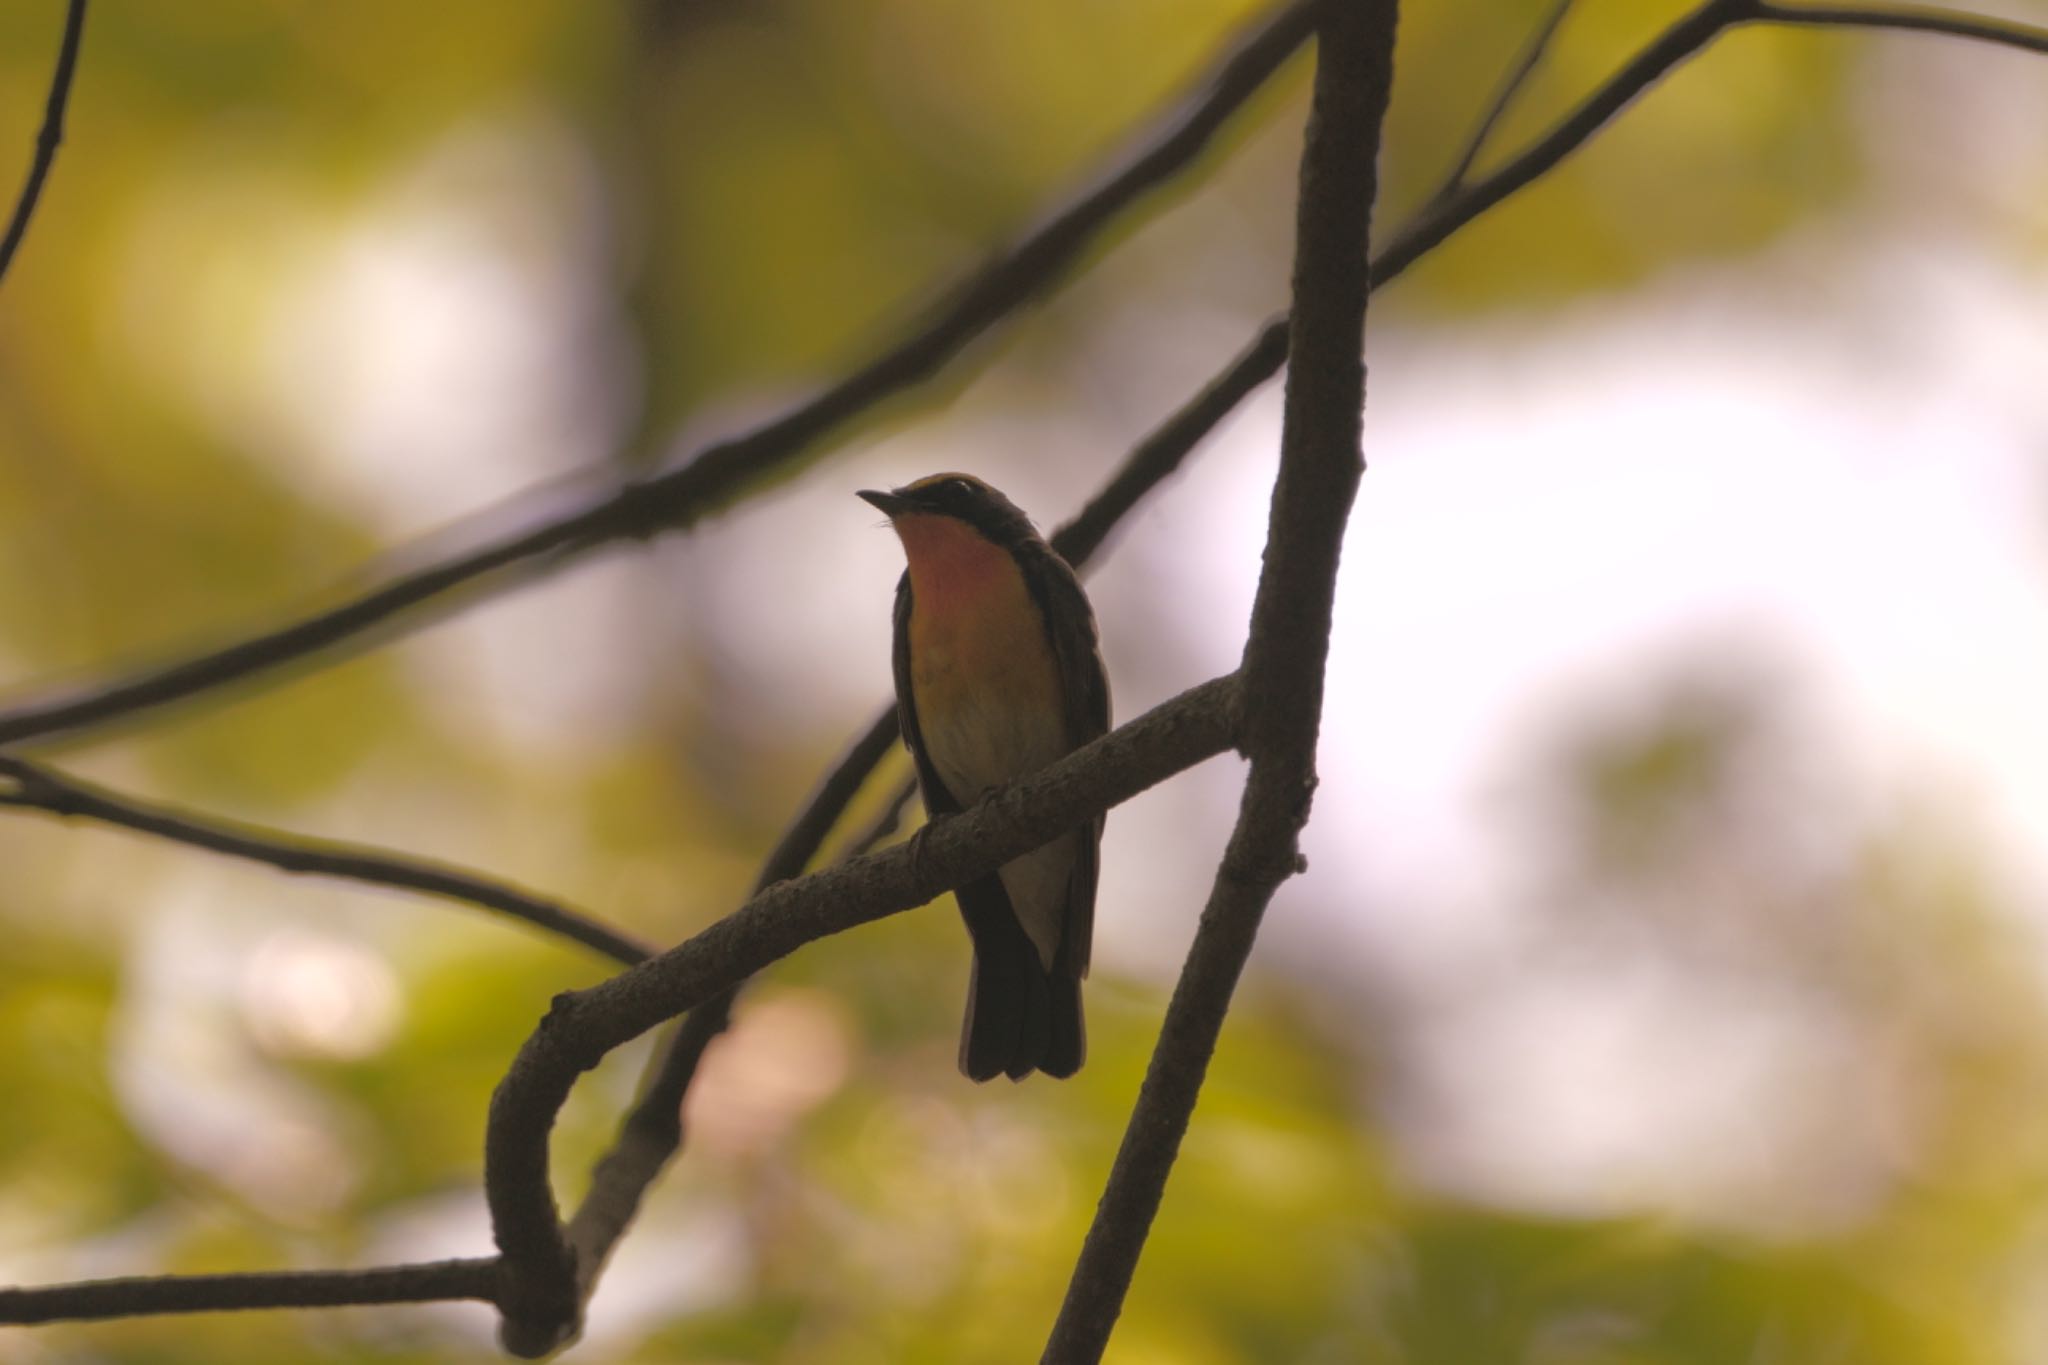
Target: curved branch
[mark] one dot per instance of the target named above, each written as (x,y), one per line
(1285,654)
(49,136)
(473,1278)
(89,1300)
(651,1133)
(678,497)
(40,789)
(541,1301)
(1908,19)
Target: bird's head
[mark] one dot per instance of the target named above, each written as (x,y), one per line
(958,533)
(960,498)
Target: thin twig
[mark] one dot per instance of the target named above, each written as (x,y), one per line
(1910,19)
(49,136)
(541,1300)
(89,1300)
(678,497)
(682,494)
(651,1133)
(38,788)
(1285,653)
(886,822)
(1257,363)
(1511,85)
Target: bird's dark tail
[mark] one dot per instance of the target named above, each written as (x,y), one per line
(1066,1042)
(1008,1010)
(1020,1017)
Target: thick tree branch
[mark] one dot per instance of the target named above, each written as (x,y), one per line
(472,1279)
(39,788)
(678,497)
(541,1300)
(1284,656)
(48,137)
(651,1132)
(87,1300)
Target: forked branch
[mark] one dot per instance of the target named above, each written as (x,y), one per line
(1285,652)
(719,472)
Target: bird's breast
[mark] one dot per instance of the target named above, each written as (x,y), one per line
(984,677)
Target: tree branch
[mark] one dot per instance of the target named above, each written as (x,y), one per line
(541,1302)
(49,136)
(651,1133)
(885,823)
(1906,18)
(1510,86)
(41,789)
(678,497)
(1284,656)
(134,1297)
(556,1053)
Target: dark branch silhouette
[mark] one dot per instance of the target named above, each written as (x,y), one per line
(1285,652)
(1511,85)
(651,1132)
(48,137)
(424,1282)
(1904,18)
(887,821)
(38,788)
(541,1300)
(537,1287)
(718,473)
(675,498)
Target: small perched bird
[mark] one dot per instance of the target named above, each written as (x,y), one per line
(997,675)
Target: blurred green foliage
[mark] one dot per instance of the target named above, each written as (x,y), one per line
(766,186)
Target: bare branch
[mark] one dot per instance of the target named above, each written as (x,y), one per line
(678,497)
(88,1300)
(1510,86)
(885,823)
(1428,229)
(49,136)
(579,1030)
(41,789)
(1906,18)
(541,1300)
(652,1133)
(1284,656)
(1160,454)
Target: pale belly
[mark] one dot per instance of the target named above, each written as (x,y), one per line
(983,728)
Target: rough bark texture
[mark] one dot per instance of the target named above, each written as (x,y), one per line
(1289,640)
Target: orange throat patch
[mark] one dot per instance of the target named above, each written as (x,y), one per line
(978,644)
(986,686)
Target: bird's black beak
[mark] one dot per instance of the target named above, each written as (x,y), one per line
(889,503)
